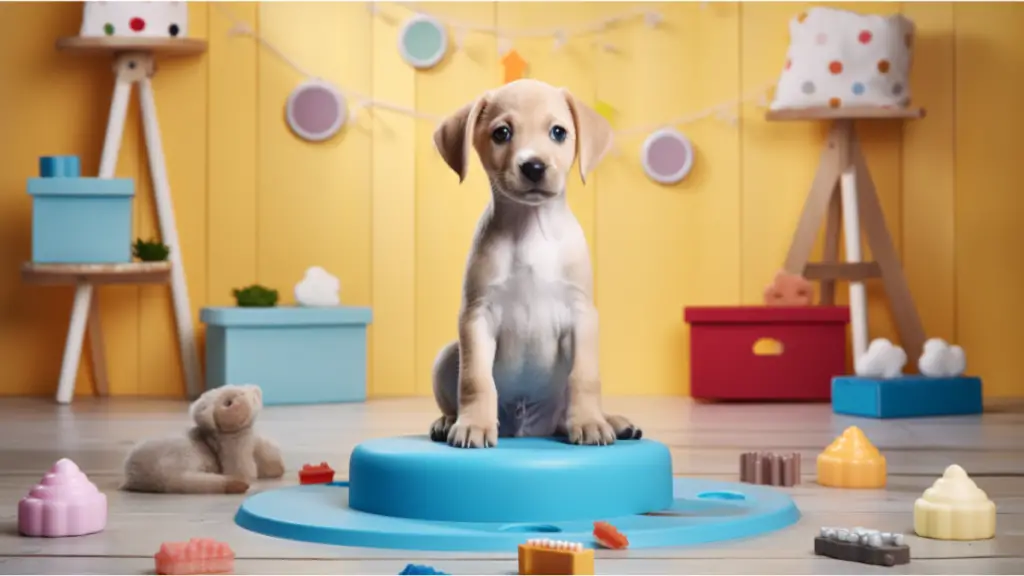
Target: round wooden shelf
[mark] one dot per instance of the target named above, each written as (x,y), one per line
(862,113)
(114,45)
(71,274)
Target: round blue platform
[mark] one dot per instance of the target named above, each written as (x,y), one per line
(415,494)
(555,481)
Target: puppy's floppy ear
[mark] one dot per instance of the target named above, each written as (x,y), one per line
(454,137)
(593,135)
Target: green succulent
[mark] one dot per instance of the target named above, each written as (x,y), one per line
(255,296)
(152,251)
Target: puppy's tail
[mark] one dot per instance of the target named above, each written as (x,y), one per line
(192,483)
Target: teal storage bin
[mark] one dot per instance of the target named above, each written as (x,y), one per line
(79,220)
(296,355)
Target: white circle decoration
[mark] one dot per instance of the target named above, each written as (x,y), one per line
(422,42)
(667,156)
(316,110)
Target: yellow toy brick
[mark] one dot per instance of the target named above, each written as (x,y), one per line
(851,461)
(544,556)
(954,508)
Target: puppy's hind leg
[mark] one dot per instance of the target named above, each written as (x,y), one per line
(446,391)
(624,429)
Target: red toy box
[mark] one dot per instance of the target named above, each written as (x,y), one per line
(806,347)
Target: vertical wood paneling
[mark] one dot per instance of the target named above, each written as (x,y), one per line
(232,141)
(446,212)
(378,208)
(662,247)
(779,158)
(393,333)
(180,91)
(313,198)
(989,210)
(929,172)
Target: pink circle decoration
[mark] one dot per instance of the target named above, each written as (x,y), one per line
(667,156)
(316,110)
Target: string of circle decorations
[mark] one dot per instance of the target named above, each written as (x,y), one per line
(316,110)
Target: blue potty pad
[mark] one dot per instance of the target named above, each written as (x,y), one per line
(410,493)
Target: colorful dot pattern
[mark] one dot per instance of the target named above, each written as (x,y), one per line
(165,19)
(839,58)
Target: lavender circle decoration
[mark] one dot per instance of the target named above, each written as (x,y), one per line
(667,156)
(316,110)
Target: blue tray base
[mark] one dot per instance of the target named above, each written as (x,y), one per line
(703,511)
(907,396)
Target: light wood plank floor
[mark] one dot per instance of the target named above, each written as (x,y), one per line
(705,439)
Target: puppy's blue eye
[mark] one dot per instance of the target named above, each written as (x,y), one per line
(501,134)
(558,134)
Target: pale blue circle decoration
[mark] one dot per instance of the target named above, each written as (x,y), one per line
(422,42)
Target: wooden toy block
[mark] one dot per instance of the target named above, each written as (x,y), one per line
(851,461)
(197,556)
(770,469)
(59,167)
(864,546)
(609,536)
(906,396)
(954,508)
(316,474)
(544,556)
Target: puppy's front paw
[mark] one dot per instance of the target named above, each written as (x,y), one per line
(466,433)
(624,429)
(595,431)
(440,428)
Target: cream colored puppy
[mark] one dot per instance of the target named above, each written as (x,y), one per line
(526,361)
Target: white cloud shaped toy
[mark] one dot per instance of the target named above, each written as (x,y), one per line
(318,288)
(940,360)
(882,359)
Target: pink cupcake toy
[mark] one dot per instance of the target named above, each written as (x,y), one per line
(64,503)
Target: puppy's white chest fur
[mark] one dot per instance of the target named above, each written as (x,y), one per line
(531,302)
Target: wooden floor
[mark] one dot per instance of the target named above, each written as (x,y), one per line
(706,441)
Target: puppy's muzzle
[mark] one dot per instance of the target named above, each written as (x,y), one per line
(533,169)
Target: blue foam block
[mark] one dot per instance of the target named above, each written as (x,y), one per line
(81,220)
(297,355)
(906,397)
(700,511)
(59,167)
(411,477)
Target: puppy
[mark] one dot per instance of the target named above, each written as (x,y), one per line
(222,454)
(526,360)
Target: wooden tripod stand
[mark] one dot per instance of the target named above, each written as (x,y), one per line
(843,194)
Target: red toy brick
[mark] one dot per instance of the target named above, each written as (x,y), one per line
(316,474)
(723,365)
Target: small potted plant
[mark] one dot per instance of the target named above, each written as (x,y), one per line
(310,353)
(151,250)
(255,296)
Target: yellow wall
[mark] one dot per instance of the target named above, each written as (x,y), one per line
(378,208)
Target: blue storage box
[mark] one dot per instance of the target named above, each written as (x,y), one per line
(906,397)
(79,220)
(296,355)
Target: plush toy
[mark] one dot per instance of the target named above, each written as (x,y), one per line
(222,454)
(789,290)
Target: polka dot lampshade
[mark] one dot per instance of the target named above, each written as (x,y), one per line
(841,59)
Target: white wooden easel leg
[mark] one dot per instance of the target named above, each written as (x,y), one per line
(73,345)
(169,234)
(851,227)
(115,124)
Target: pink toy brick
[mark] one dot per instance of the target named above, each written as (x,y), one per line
(64,503)
(197,556)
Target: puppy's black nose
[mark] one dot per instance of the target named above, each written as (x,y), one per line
(533,169)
